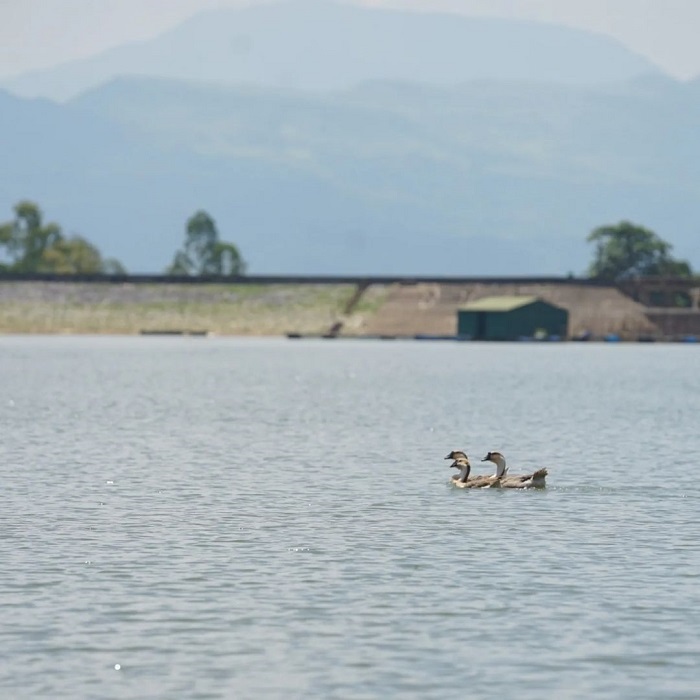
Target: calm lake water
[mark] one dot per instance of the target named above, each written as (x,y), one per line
(220,518)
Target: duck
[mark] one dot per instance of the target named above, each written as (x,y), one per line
(462,480)
(521,481)
(461,462)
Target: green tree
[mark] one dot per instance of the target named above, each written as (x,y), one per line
(71,256)
(26,239)
(32,246)
(626,250)
(203,252)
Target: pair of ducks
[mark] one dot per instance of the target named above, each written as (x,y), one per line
(498,480)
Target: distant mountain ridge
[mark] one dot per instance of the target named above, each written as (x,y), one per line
(386,178)
(307,45)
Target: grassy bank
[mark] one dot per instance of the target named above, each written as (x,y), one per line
(40,307)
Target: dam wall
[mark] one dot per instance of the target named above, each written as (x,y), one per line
(332,306)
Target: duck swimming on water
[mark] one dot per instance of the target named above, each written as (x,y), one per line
(462,480)
(521,481)
(498,480)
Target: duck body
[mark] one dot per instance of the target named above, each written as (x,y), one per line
(536,480)
(478,482)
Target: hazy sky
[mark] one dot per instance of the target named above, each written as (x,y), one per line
(41,33)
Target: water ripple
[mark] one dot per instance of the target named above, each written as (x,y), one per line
(268,519)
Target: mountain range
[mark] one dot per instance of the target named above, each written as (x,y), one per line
(324,45)
(350,166)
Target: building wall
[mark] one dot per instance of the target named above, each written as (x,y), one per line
(524,321)
(675,323)
(527,320)
(467,323)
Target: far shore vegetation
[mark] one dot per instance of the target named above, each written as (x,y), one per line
(220,309)
(27,244)
(626,251)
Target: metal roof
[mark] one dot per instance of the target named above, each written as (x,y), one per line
(498,303)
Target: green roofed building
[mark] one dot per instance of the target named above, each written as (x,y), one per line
(511,318)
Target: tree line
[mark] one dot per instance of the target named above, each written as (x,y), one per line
(27,244)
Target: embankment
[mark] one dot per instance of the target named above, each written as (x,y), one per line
(311,306)
(126,308)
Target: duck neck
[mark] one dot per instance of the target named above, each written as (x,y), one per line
(500,463)
(464,474)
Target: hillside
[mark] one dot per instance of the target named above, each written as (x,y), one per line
(323,45)
(387,178)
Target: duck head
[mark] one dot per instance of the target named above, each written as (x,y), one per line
(461,463)
(499,460)
(457,454)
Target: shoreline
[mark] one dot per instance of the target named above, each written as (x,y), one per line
(416,310)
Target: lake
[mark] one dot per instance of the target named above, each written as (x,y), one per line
(250,518)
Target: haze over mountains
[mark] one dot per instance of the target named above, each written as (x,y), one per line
(320,44)
(333,139)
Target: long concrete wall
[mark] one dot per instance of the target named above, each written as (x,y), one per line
(290,279)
